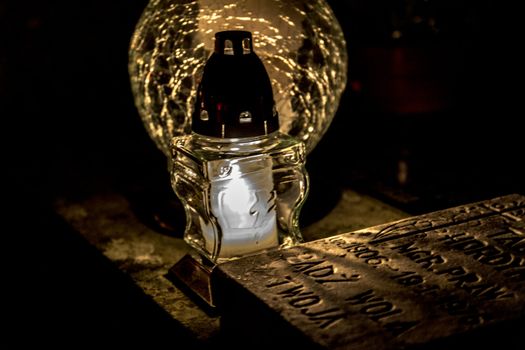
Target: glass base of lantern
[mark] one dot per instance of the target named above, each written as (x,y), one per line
(193,274)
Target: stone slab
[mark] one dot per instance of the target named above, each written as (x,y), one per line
(453,274)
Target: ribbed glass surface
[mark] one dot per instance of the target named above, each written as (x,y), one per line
(240,197)
(300,43)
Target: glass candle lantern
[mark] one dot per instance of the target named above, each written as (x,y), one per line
(241,180)
(239,175)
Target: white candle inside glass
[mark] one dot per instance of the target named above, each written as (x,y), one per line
(242,200)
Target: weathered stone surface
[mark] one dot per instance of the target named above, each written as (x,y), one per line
(108,222)
(451,274)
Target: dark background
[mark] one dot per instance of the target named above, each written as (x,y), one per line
(429,120)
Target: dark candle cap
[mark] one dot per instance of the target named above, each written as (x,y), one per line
(234,98)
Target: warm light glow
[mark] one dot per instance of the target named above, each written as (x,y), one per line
(238,201)
(300,43)
(243,203)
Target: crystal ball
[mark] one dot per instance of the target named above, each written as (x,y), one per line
(300,43)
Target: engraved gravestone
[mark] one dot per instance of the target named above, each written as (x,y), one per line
(456,275)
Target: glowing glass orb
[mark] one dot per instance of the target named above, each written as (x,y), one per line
(299,41)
